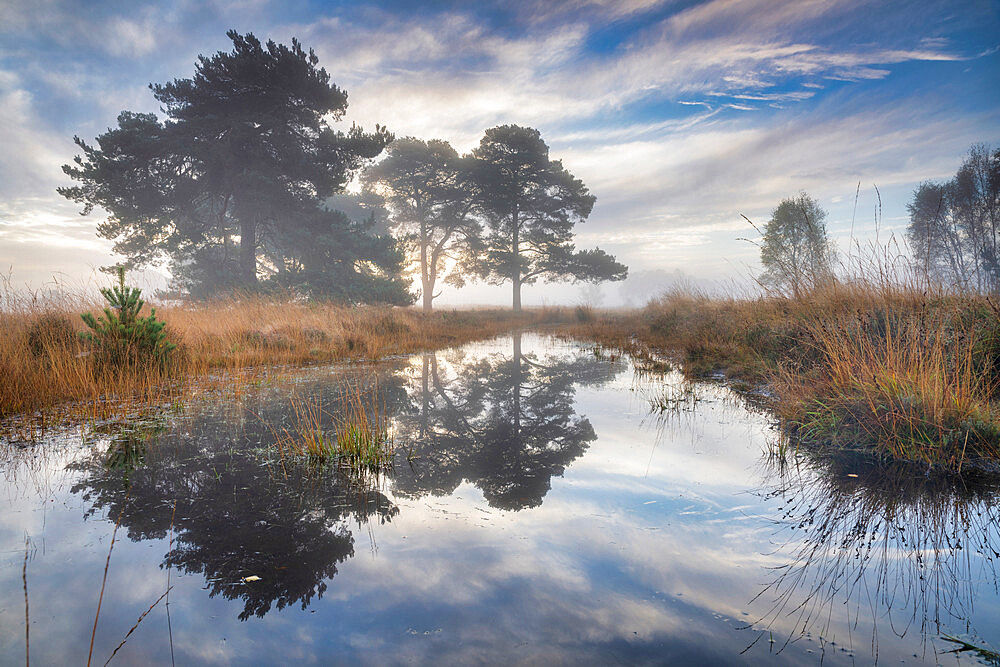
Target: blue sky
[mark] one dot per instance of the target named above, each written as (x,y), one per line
(679,115)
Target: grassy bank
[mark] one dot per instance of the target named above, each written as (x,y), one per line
(901,372)
(46,367)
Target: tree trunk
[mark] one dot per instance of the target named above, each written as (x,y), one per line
(428,296)
(426,280)
(517,383)
(248,252)
(515,252)
(425,396)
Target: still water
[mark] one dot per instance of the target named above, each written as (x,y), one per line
(539,510)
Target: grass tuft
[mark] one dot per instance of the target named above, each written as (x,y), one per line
(356,437)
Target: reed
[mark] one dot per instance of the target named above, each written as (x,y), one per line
(675,398)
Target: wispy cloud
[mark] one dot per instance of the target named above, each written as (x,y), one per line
(677,116)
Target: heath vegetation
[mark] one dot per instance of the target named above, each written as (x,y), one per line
(47,363)
(878,352)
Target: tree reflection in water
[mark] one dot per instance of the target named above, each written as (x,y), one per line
(507,424)
(239,513)
(880,541)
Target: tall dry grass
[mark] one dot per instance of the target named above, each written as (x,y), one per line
(907,373)
(882,361)
(914,377)
(44,365)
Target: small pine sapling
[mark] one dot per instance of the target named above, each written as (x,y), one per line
(121,337)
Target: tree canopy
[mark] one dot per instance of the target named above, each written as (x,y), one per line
(795,253)
(430,193)
(227,186)
(530,204)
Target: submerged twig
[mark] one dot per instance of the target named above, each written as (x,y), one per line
(24,577)
(132,629)
(989,655)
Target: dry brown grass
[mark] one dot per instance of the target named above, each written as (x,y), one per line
(897,368)
(916,378)
(894,367)
(44,365)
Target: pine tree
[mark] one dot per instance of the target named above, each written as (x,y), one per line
(531,204)
(123,338)
(246,154)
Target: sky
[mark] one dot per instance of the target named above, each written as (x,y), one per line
(680,116)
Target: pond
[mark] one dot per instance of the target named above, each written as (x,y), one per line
(547,504)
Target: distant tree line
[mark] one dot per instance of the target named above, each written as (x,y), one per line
(241,187)
(953,234)
(954,230)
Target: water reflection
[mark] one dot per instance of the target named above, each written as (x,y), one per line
(870,543)
(505,422)
(649,550)
(239,513)
(128,440)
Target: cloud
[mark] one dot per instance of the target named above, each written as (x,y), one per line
(29,163)
(69,25)
(449,76)
(42,234)
(680,195)
(126,37)
(543,12)
(685,116)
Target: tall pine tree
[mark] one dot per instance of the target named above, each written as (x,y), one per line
(431,196)
(531,204)
(241,164)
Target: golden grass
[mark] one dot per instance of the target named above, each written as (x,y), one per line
(45,366)
(903,370)
(916,378)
